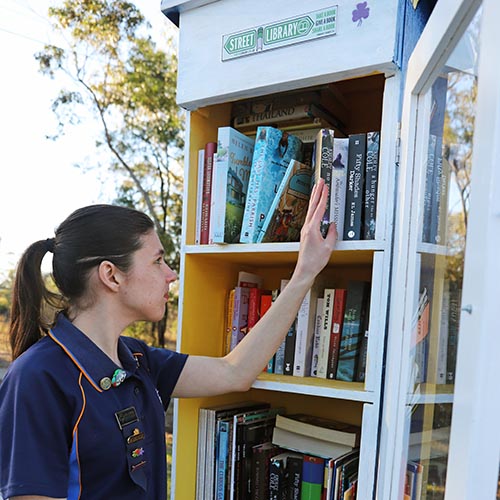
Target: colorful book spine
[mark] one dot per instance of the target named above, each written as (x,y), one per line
(352,330)
(254,300)
(240,315)
(306,318)
(288,210)
(206,203)
(317,336)
(323,160)
(339,303)
(277,478)
(222,456)
(326,327)
(338,183)
(228,328)
(231,171)
(312,477)
(354,189)
(371,184)
(272,154)
(199,195)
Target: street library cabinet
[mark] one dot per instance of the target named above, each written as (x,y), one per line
(410,76)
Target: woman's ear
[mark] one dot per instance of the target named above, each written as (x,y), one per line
(109,275)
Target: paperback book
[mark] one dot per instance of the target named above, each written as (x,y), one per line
(232,164)
(274,149)
(338,183)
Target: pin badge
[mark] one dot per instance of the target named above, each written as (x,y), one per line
(133,468)
(126,417)
(118,377)
(105,383)
(136,435)
(138,452)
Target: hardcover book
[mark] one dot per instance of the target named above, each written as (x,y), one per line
(206,202)
(272,154)
(371,184)
(288,210)
(353,329)
(339,302)
(354,189)
(313,471)
(232,164)
(278,480)
(323,159)
(261,456)
(338,183)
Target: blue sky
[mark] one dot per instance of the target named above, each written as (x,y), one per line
(39,184)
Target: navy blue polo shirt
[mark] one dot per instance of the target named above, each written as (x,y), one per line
(64,434)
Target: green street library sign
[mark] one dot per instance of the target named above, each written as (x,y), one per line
(277,34)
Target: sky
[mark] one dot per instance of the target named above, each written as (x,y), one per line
(39,183)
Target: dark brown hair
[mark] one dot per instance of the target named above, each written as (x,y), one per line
(87,237)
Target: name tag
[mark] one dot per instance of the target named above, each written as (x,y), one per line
(126,417)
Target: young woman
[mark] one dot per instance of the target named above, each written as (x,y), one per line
(82,407)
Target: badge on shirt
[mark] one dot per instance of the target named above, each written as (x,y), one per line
(126,417)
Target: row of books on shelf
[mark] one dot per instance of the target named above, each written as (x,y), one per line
(251,451)
(328,339)
(257,190)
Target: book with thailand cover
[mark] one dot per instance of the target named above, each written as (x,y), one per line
(232,164)
(371,184)
(288,210)
(354,188)
(323,158)
(338,183)
(272,154)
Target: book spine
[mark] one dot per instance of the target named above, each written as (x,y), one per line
(312,477)
(323,169)
(265,303)
(453,327)
(229,321)
(210,149)
(357,294)
(199,195)
(324,344)
(427,202)
(279,357)
(240,315)
(354,189)
(253,306)
(222,455)
(371,184)
(294,466)
(338,184)
(306,318)
(436,186)
(274,116)
(363,349)
(218,201)
(339,302)
(316,338)
(289,350)
(277,479)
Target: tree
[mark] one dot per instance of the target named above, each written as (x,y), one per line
(117,73)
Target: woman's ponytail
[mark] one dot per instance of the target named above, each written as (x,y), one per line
(30,298)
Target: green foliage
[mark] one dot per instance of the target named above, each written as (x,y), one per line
(116,72)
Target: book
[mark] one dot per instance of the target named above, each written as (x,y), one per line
(250,280)
(363,349)
(353,329)
(222,453)
(320,428)
(199,195)
(294,470)
(339,302)
(316,338)
(287,212)
(277,477)
(254,300)
(312,477)
(228,321)
(231,171)
(304,325)
(283,351)
(308,444)
(272,154)
(338,183)
(207,436)
(339,464)
(427,198)
(323,159)
(325,333)
(371,184)
(354,187)
(261,456)
(266,302)
(240,315)
(206,203)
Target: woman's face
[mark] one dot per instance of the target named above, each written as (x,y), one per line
(147,283)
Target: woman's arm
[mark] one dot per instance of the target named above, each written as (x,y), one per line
(208,376)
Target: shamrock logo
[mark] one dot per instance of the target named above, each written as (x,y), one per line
(361,12)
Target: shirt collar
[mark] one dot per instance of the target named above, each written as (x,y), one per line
(90,359)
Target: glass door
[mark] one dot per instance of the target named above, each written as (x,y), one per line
(425,403)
